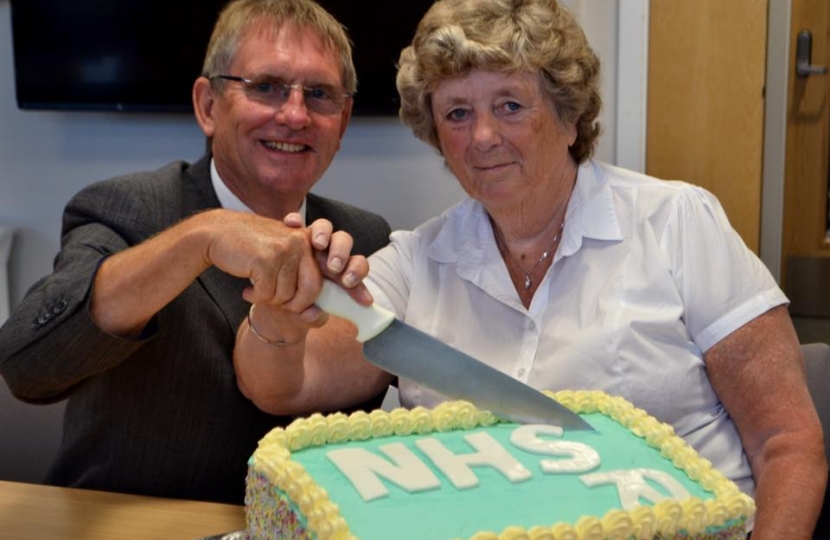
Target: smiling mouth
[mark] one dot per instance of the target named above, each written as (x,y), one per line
(494,167)
(285,147)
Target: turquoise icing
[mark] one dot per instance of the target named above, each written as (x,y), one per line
(444,513)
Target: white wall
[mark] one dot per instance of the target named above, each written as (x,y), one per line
(45,157)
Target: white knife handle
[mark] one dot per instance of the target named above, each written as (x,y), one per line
(370,321)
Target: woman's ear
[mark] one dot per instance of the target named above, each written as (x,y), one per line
(203,101)
(571,133)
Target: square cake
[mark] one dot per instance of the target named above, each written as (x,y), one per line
(457,472)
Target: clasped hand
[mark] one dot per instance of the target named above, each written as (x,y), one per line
(286,264)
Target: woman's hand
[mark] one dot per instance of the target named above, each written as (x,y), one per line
(304,370)
(288,322)
(332,251)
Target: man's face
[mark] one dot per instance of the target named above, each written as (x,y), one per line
(263,149)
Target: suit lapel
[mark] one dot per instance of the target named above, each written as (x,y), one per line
(312,209)
(226,291)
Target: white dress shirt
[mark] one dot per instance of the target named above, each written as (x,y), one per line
(647,277)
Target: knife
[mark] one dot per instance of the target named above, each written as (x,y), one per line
(407,352)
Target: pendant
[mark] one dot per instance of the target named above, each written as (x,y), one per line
(527,281)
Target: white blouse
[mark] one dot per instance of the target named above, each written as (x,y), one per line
(648,275)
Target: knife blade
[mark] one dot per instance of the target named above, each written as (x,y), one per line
(407,352)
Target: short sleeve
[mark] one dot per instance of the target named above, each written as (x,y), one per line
(390,271)
(724,285)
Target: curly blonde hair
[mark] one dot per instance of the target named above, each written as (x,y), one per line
(238,15)
(509,36)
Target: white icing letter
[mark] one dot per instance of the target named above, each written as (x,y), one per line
(457,467)
(632,485)
(362,468)
(583,457)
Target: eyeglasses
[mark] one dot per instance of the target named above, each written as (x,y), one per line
(321,99)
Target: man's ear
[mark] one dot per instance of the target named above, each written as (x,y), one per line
(346,115)
(203,101)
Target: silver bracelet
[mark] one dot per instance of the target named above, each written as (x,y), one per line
(277,343)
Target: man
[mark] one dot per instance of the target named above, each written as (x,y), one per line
(157,271)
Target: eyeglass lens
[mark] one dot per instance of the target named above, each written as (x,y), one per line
(320,99)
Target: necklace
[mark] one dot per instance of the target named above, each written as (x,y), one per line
(528,282)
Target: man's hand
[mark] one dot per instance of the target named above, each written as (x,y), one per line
(133,285)
(278,260)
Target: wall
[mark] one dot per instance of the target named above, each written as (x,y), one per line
(45,157)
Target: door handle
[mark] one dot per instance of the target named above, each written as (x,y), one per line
(803,54)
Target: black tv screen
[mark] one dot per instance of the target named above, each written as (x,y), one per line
(143,55)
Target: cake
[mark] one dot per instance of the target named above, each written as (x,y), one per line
(456,472)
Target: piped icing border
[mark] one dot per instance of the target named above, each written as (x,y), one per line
(692,516)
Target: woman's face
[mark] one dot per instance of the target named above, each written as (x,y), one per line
(502,138)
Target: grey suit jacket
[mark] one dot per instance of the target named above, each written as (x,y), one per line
(160,415)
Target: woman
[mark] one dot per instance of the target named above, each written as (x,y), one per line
(567,273)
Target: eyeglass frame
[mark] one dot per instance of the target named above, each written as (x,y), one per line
(285,92)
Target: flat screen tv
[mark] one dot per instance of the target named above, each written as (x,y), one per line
(143,55)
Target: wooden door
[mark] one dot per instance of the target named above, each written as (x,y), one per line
(706,72)
(805,264)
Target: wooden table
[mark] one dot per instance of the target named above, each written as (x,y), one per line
(35,512)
